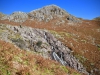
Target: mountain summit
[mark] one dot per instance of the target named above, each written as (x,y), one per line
(50,12)
(46,13)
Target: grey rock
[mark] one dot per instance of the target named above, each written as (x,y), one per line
(16,17)
(50,12)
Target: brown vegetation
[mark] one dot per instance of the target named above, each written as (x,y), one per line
(14,61)
(83,38)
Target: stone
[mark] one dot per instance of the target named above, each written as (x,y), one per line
(16,17)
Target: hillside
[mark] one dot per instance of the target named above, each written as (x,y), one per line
(14,61)
(55,34)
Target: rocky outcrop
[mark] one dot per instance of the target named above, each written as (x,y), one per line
(50,12)
(16,17)
(63,54)
(47,13)
(42,42)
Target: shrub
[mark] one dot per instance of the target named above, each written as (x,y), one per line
(39,43)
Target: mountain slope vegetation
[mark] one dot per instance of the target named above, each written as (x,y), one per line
(14,61)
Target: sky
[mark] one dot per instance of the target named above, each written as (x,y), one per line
(86,9)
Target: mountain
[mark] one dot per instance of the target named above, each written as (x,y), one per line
(46,14)
(97,18)
(54,34)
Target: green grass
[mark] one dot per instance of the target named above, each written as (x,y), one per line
(81,58)
(75,73)
(5,71)
(60,35)
(18,59)
(99,49)
(64,69)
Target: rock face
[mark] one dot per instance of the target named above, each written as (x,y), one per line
(42,42)
(16,17)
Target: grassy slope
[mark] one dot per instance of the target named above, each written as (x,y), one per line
(14,61)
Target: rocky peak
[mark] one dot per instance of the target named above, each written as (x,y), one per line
(47,13)
(50,12)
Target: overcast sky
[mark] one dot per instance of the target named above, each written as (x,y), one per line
(87,9)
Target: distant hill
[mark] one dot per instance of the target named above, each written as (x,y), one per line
(1,15)
(97,19)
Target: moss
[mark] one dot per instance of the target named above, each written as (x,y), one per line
(98,46)
(25,62)
(64,69)
(18,59)
(99,49)
(1,31)
(27,73)
(5,72)
(47,71)
(15,36)
(68,34)
(4,68)
(75,73)
(60,35)
(56,34)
